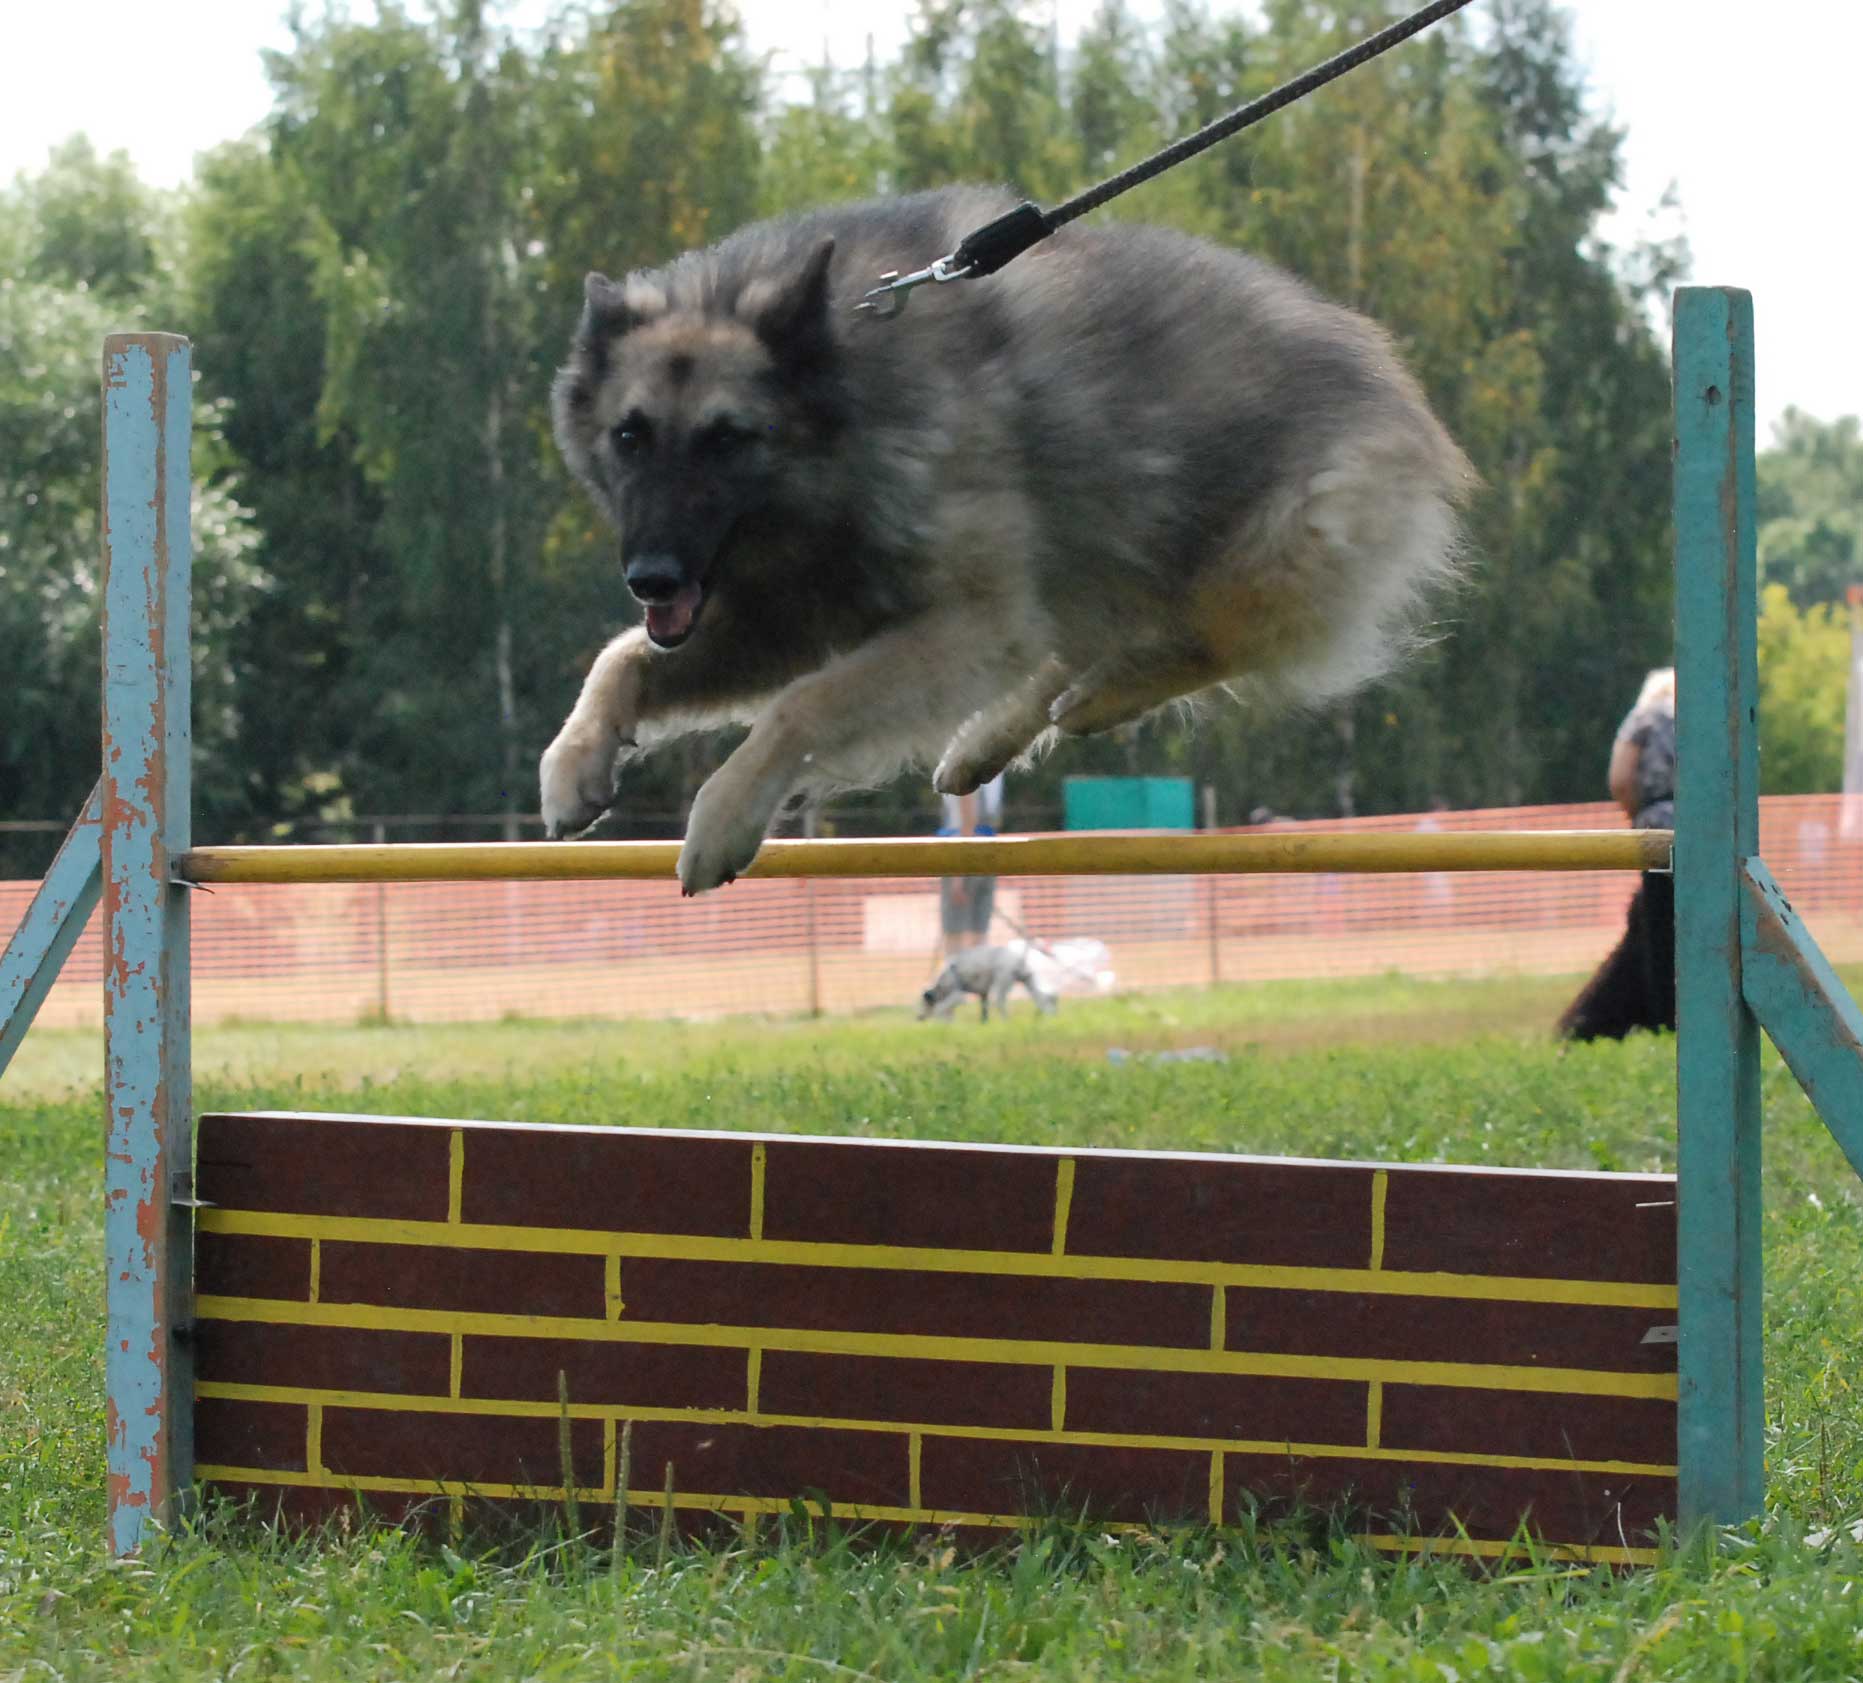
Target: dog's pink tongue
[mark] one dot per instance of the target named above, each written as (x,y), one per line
(674,618)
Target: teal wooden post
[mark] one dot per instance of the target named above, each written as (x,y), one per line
(1721,1402)
(50,929)
(148,1163)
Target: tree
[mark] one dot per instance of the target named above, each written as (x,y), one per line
(1811,508)
(82,277)
(1804,671)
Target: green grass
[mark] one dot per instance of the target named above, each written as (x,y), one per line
(1386,1069)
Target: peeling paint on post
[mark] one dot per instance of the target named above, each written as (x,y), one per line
(148,1098)
(1720,1404)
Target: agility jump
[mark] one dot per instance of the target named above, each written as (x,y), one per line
(293,1258)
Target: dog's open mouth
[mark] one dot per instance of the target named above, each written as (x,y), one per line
(670,623)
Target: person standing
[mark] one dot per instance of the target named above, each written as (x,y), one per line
(966,904)
(1635,987)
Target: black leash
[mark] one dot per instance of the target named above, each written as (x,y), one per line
(996,243)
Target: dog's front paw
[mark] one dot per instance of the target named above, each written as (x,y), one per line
(961,771)
(578,778)
(722,837)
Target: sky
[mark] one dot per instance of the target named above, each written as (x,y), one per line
(1748,110)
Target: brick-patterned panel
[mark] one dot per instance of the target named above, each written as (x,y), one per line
(1446,1329)
(324,1165)
(896,1303)
(907,1389)
(605,1375)
(1546,1426)
(237,1265)
(775,1462)
(469,1281)
(475,1449)
(980,1476)
(1215,1209)
(1385,1495)
(250,1434)
(1552,1226)
(1216,1405)
(320,1358)
(606,1179)
(737,1307)
(951,1198)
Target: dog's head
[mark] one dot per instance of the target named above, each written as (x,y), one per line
(689,400)
(938,993)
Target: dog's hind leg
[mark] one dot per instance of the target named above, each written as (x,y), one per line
(988,741)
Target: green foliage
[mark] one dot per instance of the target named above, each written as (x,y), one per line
(381,287)
(1380,1068)
(1811,508)
(1804,673)
(84,234)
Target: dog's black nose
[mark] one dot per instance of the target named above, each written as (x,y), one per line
(655,576)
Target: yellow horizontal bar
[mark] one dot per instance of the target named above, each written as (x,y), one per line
(1080,854)
(1605,1554)
(1017,1352)
(812,1253)
(399,1402)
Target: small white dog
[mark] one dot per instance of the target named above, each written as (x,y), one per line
(989,973)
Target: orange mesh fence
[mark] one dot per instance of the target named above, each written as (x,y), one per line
(441,952)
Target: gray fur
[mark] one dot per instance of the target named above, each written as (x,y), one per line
(1131,467)
(989,973)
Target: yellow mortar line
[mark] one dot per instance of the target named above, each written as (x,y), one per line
(930,1259)
(1016,1352)
(1063,1202)
(1380,1190)
(398,1403)
(705,1502)
(456,1177)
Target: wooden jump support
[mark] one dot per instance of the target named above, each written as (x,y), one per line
(421,1310)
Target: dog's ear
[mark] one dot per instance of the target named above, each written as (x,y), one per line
(610,308)
(793,319)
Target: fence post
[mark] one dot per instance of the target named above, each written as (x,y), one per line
(148,1191)
(811,827)
(381,936)
(1720,1418)
(1211,883)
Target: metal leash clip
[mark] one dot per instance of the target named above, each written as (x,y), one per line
(888,299)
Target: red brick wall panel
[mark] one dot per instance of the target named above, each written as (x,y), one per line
(692,1352)
(607,1180)
(779,1462)
(1240,1210)
(1549,1226)
(1419,1497)
(1447,1329)
(250,1434)
(238,1265)
(479,1282)
(898,1302)
(1549,1426)
(983,1476)
(459,1448)
(1216,1405)
(321,1358)
(360,1166)
(906,1390)
(605,1374)
(951,1198)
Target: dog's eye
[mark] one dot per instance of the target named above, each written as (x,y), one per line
(633,434)
(725,438)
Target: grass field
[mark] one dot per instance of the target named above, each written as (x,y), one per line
(1377,1068)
